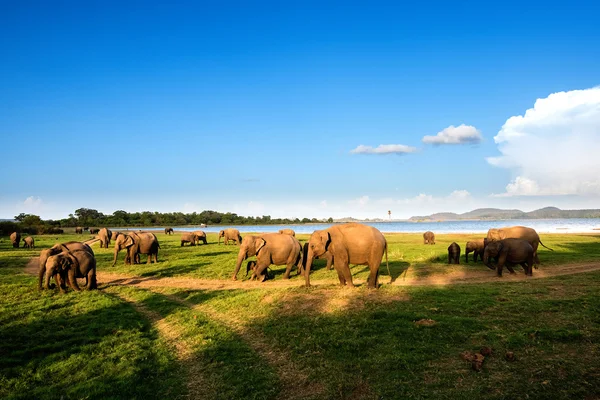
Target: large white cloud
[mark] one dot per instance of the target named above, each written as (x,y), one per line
(554,148)
(462,134)
(384,149)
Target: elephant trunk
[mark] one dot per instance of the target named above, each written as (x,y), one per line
(241,257)
(116,254)
(49,274)
(309,260)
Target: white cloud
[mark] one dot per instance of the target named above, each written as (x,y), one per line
(32,204)
(553,148)
(463,134)
(384,149)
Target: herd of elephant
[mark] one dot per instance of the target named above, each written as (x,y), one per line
(515,245)
(28,242)
(341,245)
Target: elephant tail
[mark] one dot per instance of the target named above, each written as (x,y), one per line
(387,263)
(545,246)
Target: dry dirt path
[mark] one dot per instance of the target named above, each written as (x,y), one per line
(434,279)
(481,275)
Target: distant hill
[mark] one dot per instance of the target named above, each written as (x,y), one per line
(496,213)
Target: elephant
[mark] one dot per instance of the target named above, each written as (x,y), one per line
(93,231)
(168,231)
(114,235)
(454,253)
(137,243)
(29,242)
(510,252)
(70,265)
(104,235)
(79,230)
(350,243)
(519,232)
(428,238)
(15,239)
(230,234)
(270,248)
(326,256)
(201,236)
(287,232)
(189,237)
(476,247)
(59,248)
(252,266)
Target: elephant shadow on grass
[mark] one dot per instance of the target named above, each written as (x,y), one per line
(57,342)
(175,270)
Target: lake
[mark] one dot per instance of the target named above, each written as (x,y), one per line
(572,225)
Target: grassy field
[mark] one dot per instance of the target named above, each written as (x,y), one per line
(270,341)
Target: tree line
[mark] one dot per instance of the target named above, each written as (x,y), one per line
(87,217)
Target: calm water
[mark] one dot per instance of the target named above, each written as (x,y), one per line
(582,225)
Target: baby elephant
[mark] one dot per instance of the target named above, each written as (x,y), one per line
(252,266)
(509,252)
(189,237)
(454,253)
(476,247)
(28,242)
(428,238)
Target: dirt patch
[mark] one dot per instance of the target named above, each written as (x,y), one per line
(296,383)
(33,266)
(425,322)
(185,354)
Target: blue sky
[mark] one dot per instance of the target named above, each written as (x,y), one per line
(256,107)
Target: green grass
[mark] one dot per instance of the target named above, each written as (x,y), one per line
(338,343)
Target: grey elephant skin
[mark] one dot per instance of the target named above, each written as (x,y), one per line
(137,243)
(168,231)
(85,267)
(269,248)
(476,247)
(428,238)
(510,252)
(518,232)
(201,235)
(350,243)
(230,234)
(105,236)
(454,253)
(29,242)
(325,256)
(15,239)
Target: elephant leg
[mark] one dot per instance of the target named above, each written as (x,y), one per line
(260,267)
(288,271)
(510,269)
(73,280)
(341,277)
(149,259)
(60,283)
(373,277)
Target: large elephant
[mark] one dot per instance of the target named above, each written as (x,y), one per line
(476,247)
(230,234)
(168,231)
(518,232)
(70,265)
(287,231)
(350,243)
(270,248)
(454,253)
(201,236)
(114,235)
(325,256)
(510,252)
(428,238)
(105,236)
(59,248)
(189,237)
(29,242)
(79,230)
(137,243)
(15,239)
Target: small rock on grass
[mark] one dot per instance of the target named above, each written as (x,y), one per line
(509,356)
(486,351)
(477,363)
(425,322)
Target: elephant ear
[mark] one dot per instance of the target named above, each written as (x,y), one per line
(259,243)
(128,242)
(325,238)
(72,261)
